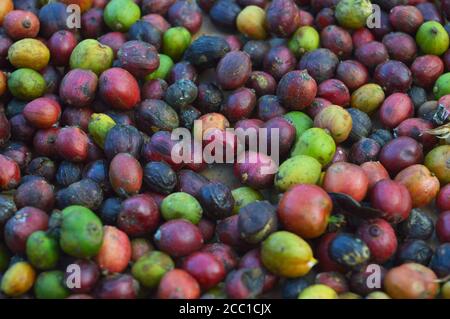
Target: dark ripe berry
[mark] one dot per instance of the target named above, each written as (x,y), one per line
(406,18)
(323,254)
(256,49)
(418,96)
(85,192)
(178,238)
(182,71)
(414,251)
(53,17)
(393,199)
(209,98)
(324,18)
(443,227)
(123,139)
(292,287)
(400,46)
(224,253)
(317,5)
(158,21)
(365,150)
(7,209)
(78,88)
(98,172)
(21,129)
(42,166)
(334,91)
(125,182)
(118,286)
(92,24)
(156,6)
(268,107)
(256,170)
(352,73)
(76,117)
(153,116)
(278,61)
(154,89)
(321,64)
(181,93)
(233,70)
(159,148)
(244,283)
(110,210)
(20,24)
(72,144)
(262,83)
(206,51)
(362,36)
(440,262)
(160,177)
(68,173)
(191,182)
(138,57)
(381,136)
(139,215)
(61,45)
(216,200)
(371,54)
(5,43)
(256,221)
(5,129)
(114,40)
(142,30)
(36,193)
(401,153)
(185,13)
(252,259)
(418,225)
(426,69)
(224,13)
(205,268)
(338,40)
(395,109)
(42,112)
(297,90)
(239,104)
(416,128)
(119,88)
(188,115)
(19,227)
(259,3)
(443,199)
(10,173)
(430,12)
(334,280)
(380,237)
(178,284)
(393,76)
(18,152)
(349,250)
(282,18)
(207,228)
(286,134)
(89,276)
